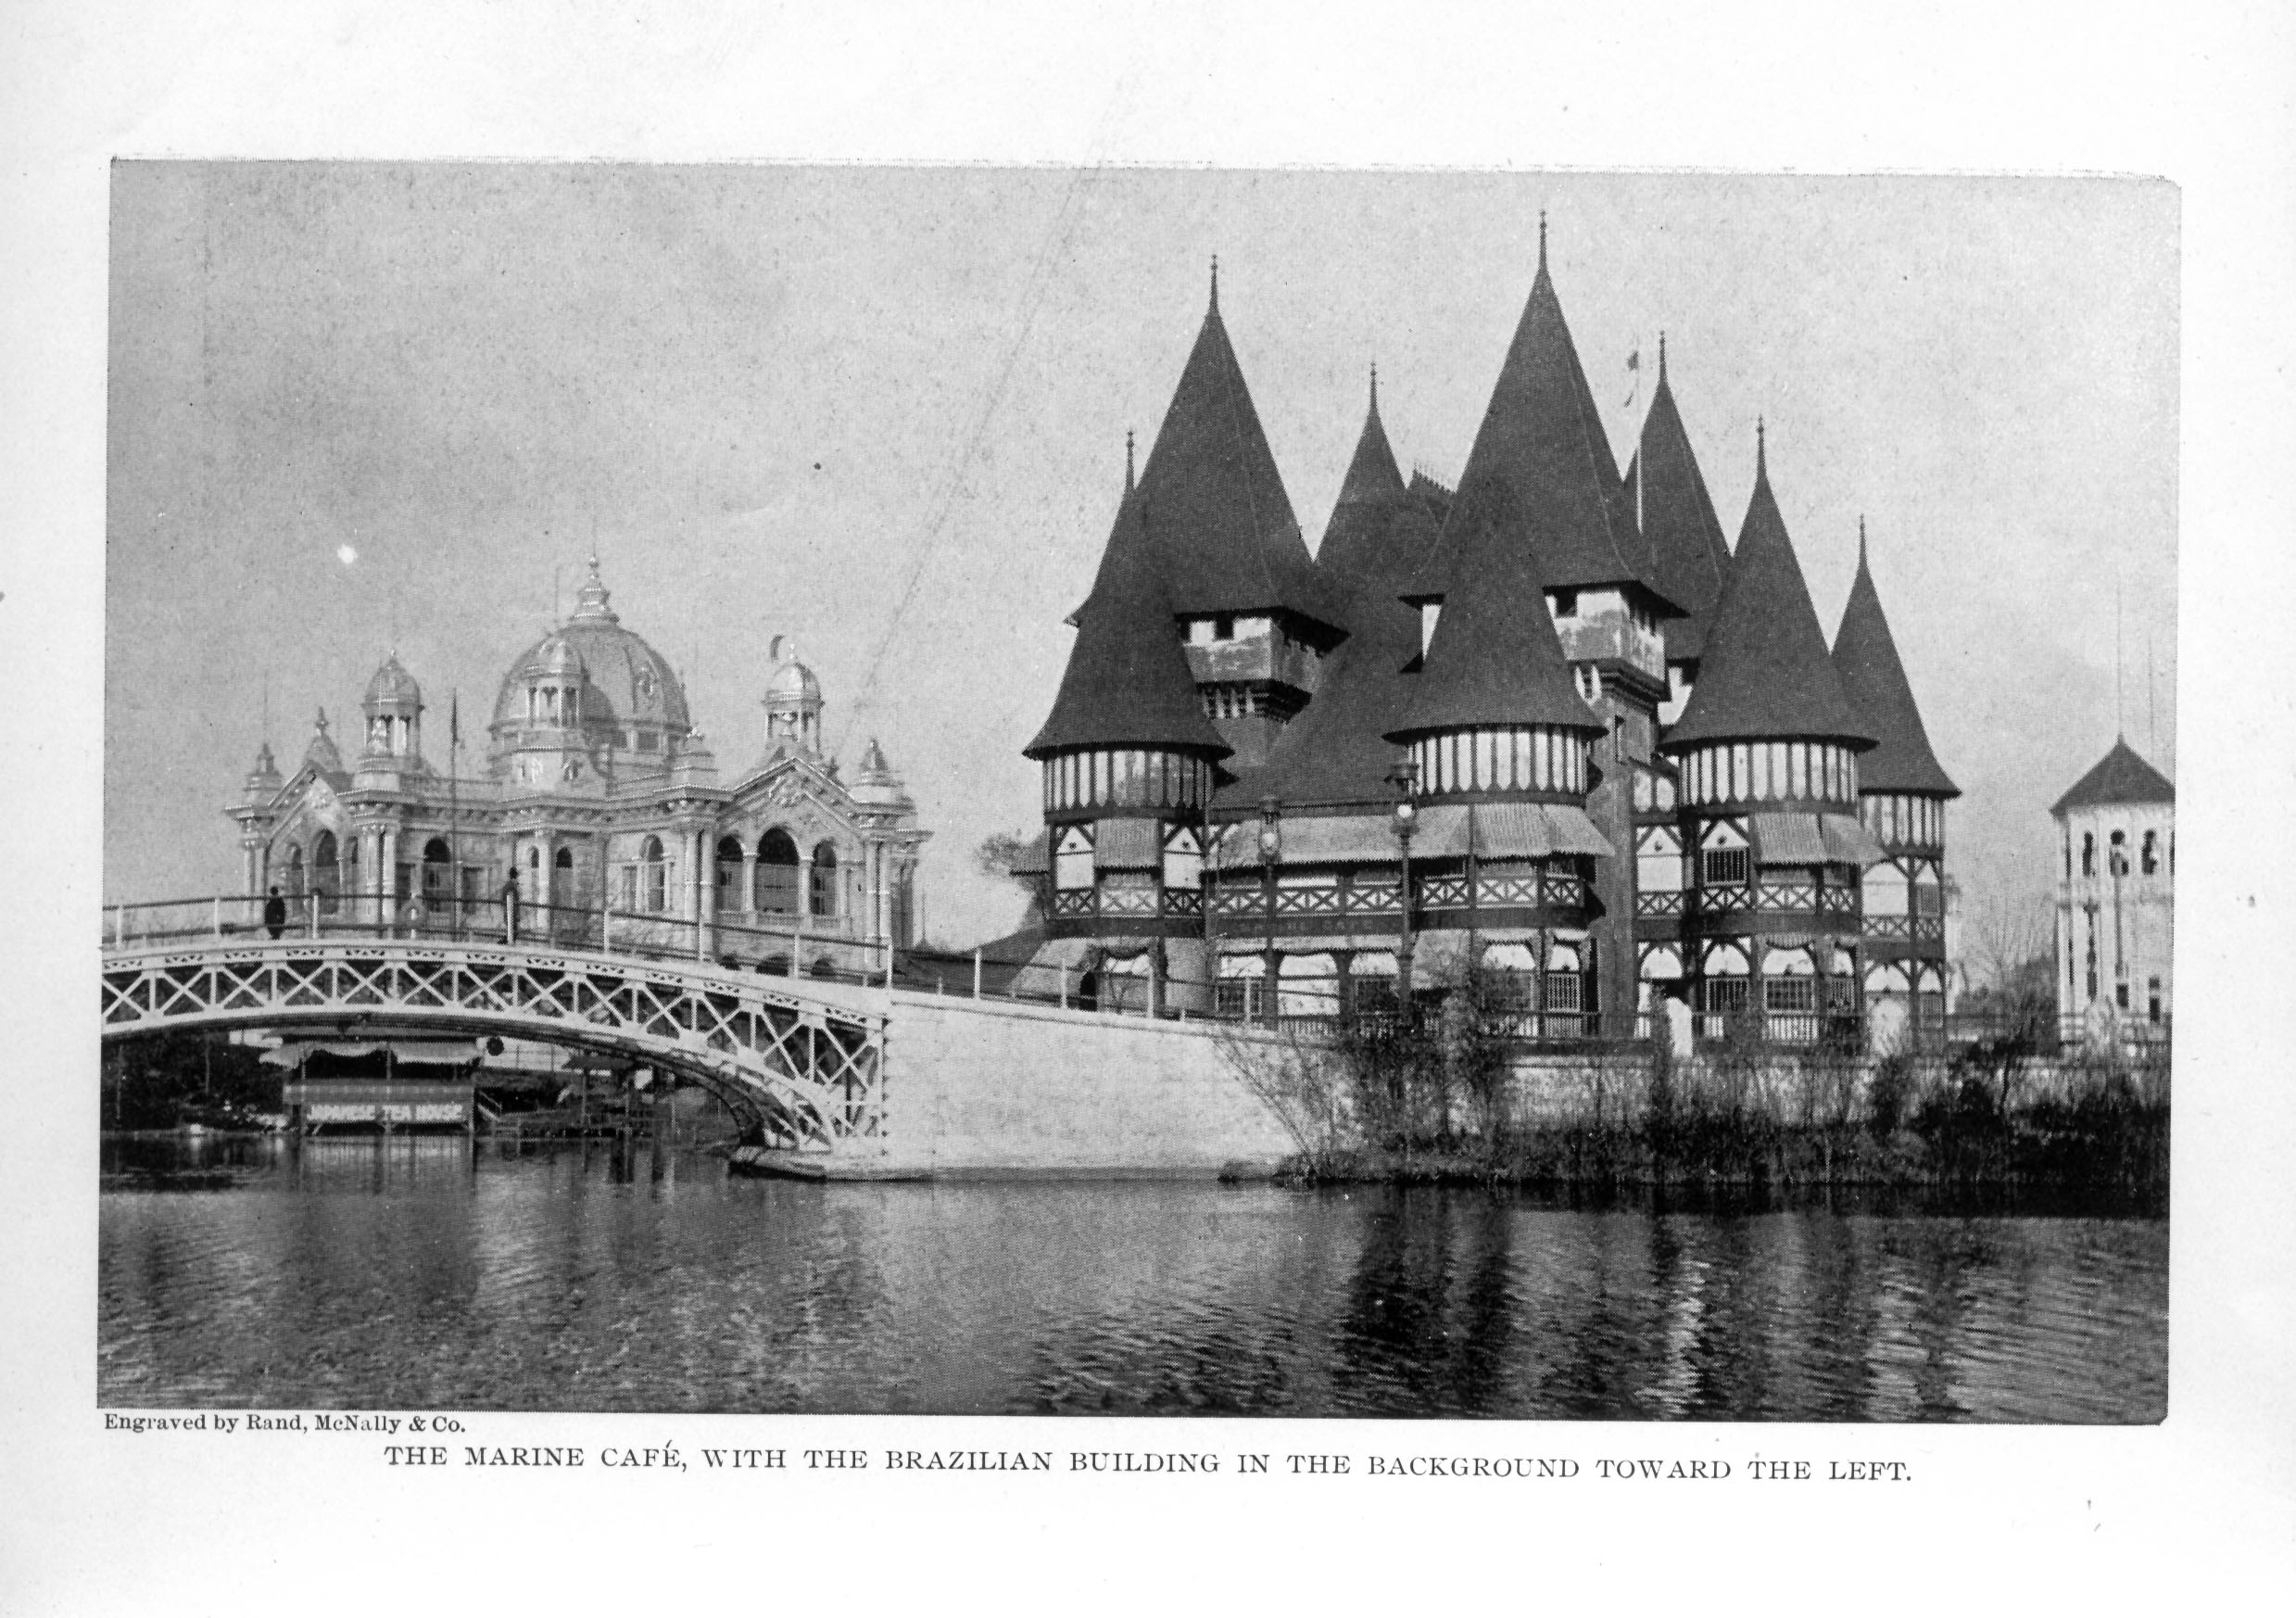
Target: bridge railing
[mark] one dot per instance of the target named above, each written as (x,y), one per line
(250,918)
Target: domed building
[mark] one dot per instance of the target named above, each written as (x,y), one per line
(596,816)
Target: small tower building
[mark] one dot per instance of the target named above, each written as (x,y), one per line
(2115,920)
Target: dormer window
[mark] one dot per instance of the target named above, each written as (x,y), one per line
(1562,603)
(2119,866)
(1224,627)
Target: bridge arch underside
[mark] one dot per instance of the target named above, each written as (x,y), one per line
(797,1077)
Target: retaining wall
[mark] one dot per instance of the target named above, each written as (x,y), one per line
(988,1087)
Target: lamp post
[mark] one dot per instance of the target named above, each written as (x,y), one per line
(1404,780)
(1270,848)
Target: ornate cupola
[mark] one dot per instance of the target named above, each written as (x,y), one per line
(1128,756)
(1676,515)
(1767,751)
(1255,609)
(1902,793)
(394,709)
(792,701)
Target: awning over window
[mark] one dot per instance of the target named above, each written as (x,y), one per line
(1034,859)
(1846,840)
(1789,840)
(1128,845)
(1506,831)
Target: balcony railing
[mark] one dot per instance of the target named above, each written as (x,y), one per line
(1613,638)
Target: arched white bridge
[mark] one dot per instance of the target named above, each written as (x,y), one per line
(801,1063)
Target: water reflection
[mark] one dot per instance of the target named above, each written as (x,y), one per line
(409,1273)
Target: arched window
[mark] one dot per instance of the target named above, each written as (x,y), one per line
(2118,863)
(729,897)
(2151,856)
(822,896)
(653,877)
(777,873)
(2088,853)
(437,871)
(294,868)
(326,872)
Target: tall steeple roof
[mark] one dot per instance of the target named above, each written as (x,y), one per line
(1541,440)
(1766,673)
(1370,498)
(1214,504)
(1494,659)
(1127,683)
(2121,776)
(1865,655)
(1337,750)
(323,755)
(1677,518)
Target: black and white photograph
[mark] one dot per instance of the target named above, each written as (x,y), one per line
(1145,809)
(1007,791)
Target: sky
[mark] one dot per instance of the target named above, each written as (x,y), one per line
(883,411)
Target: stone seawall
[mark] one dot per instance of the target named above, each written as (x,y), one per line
(985,1087)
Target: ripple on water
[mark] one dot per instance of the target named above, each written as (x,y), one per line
(415,1274)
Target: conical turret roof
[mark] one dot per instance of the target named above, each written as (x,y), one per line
(1541,440)
(1494,659)
(2121,776)
(1354,541)
(1226,538)
(1127,683)
(1677,518)
(1337,750)
(1865,655)
(1766,673)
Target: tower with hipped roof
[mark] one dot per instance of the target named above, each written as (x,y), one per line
(2116,935)
(1902,792)
(1771,847)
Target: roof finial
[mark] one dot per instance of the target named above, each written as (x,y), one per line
(1127,461)
(1662,356)
(1375,388)
(1216,284)
(1761,452)
(1541,241)
(1860,540)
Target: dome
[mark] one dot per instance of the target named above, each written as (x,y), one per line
(393,684)
(624,681)
(793,682)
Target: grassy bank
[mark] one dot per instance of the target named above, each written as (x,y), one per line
(1443,1101)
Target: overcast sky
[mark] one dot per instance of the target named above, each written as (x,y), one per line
(884,411)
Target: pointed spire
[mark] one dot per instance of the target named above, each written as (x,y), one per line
(1214,284)
(1375,390)
(1495,658)
(1225,538)
(1865,655)
(1541,241)
(1130,483)
(1128,682)
(1376,530)
(1762,453)
(1541,440)
(322,754)
(1688,550)
(1766,673)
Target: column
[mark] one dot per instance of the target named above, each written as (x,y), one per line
(252,876)
(387,877)
(748,896)
(804,887)
(705,879)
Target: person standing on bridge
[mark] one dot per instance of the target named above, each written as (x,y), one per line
(509,908)
(275,914)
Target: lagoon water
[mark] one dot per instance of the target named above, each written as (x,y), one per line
(431,1274)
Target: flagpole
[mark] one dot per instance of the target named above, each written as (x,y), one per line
(454,808)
